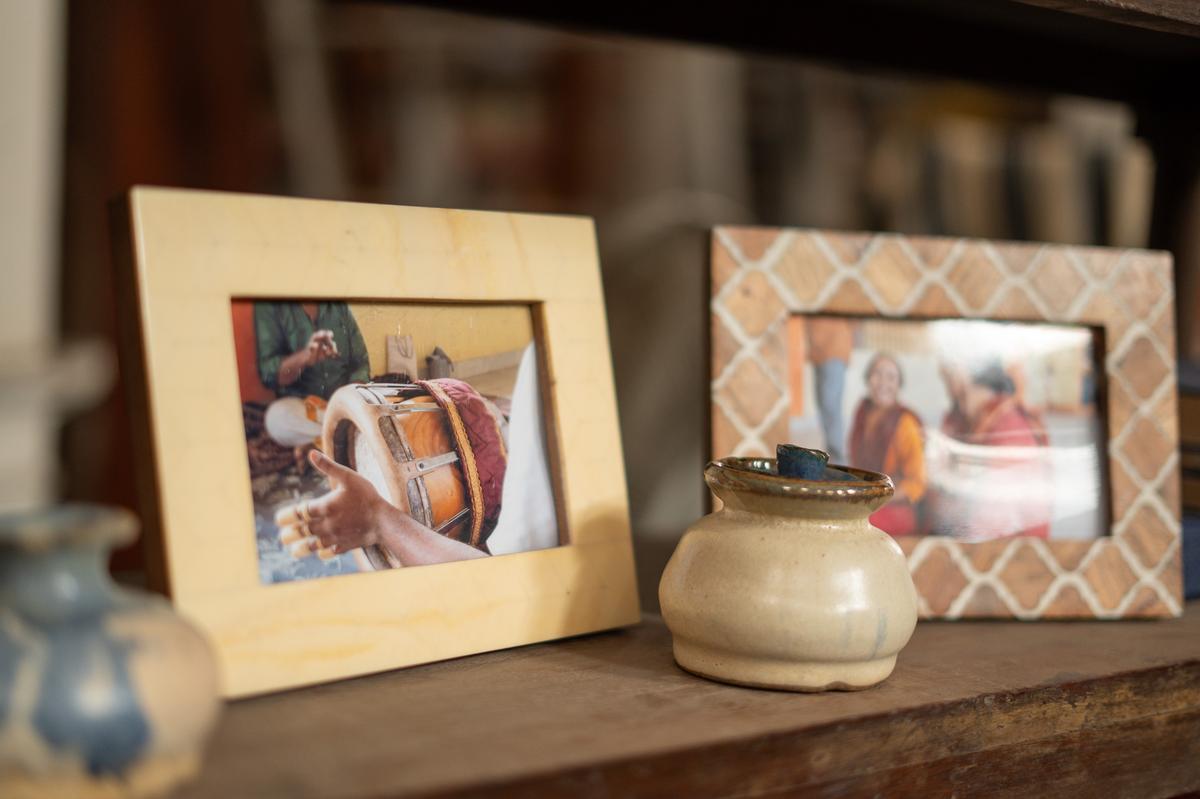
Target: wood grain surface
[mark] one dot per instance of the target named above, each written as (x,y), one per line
(979,708)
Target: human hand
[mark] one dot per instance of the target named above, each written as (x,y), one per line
(320,347)
(346,518)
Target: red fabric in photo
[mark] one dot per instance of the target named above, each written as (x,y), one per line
(1001,423)
(245,345)
(483,433)
(1005,423)
(896,519)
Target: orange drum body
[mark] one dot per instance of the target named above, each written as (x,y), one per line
(398,437)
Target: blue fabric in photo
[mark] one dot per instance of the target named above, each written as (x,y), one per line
(830,386)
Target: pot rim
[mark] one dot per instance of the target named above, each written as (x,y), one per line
(760,476)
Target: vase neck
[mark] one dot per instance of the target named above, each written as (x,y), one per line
(56,584)
(754,485)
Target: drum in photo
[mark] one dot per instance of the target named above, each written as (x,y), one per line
(398,437)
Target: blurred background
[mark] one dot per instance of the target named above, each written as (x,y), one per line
(655,137)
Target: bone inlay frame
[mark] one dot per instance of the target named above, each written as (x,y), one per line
(760,276)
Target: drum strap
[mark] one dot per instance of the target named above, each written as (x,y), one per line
(467,456)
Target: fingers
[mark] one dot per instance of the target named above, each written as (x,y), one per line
(285,516)
(329,467)
(290,534)
(321,345)
(302,538)
(327,340)
(325,343)
(300,546)
(303,547)
(295,532)
(302,519)
(294,513)
(323,531)
(288,515)
(307,546)
(300,542)
(339,521)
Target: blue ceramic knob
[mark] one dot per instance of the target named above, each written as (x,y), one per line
(802,463)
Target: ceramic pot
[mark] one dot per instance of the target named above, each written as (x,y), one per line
(104,691)
(788,585)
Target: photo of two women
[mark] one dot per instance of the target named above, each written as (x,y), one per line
(987,429)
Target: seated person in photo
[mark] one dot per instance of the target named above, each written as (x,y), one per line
(993,476)
(887,437)
(518,502)
(305,349)
(954,422)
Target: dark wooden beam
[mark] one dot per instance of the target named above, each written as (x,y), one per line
(1168,16)
(1004,43)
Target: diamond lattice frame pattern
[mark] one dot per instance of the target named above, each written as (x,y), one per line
(760,276)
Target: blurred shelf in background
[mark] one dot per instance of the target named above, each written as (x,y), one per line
(996,118)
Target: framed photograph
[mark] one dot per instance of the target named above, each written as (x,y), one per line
(374,449)
(350,418)
(1021,396)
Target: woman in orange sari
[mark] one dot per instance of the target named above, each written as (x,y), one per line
(887,437)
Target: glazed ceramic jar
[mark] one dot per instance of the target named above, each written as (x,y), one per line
(103,691)
(788,585)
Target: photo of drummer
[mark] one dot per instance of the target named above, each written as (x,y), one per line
(371,447)
(298,356)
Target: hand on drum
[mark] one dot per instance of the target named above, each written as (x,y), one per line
(344,519)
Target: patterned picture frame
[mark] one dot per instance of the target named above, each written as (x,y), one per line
(760,276)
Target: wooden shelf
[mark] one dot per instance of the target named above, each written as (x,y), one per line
(982,708)
(1140,51)
(1145,53)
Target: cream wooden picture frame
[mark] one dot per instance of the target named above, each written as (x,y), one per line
(761,276)
(184,255)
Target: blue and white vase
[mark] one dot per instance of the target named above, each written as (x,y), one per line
(104,691)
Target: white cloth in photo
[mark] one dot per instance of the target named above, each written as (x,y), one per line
(287,423)
(527,514)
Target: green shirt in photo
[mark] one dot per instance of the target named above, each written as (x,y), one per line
(283,328)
